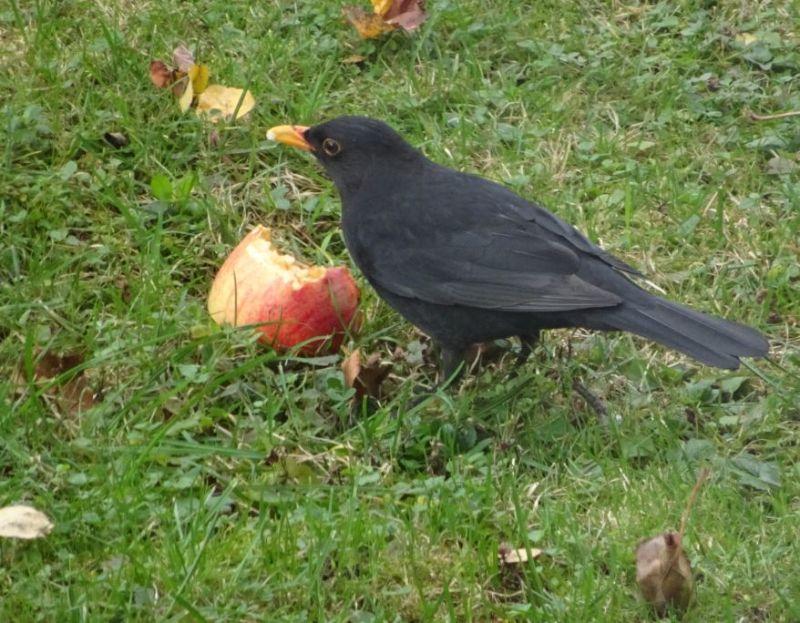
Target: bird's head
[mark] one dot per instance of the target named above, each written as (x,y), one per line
(350,148)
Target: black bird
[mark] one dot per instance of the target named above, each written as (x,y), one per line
(466,260)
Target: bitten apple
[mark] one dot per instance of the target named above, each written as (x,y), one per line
(289,302)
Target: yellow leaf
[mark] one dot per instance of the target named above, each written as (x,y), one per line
(381,6)
(353,59)
(510,556)
(369,26)
(219,102)
(746,38)
(186,98)
(198,74)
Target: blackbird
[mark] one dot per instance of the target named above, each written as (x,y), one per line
(466,260)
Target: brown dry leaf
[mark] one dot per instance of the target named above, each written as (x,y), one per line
(116,139)
(179,86)
(351,366)
(368,25)
(161,75)
(183,58)
(218,102)
(23,522)
(510,556)
(72,396)
(663,573)
(407,14)
(366,377)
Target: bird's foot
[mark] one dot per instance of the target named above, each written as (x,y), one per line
(591,399)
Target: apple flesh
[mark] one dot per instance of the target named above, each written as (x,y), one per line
(290,303)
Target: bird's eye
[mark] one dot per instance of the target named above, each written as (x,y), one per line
(331,147)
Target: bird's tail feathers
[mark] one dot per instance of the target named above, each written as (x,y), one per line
(708,339)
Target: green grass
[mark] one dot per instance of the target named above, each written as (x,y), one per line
(210,479)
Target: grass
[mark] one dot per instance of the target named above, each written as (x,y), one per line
(193,475)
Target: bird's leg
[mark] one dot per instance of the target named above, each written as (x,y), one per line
(594,401)
(451,369)
(527,345)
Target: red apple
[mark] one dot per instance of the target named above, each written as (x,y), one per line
(289,302)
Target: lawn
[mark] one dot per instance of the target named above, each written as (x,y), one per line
(194,475)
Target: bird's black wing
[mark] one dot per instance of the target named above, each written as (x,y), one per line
(457,239)
(502,270)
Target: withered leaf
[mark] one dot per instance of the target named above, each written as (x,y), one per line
(179,86)
(368,25)
(116,139)
(187,97)
(511,556)
(72,396)
(161,75)
(183,58)
(351,366)
(407,14)
(353,59)
(51,365)
(663,573)
(23,522)
(366,377)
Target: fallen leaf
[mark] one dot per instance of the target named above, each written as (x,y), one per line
(51,365)
(116,139)
(183,58)
(366,377)
(23,522)
(780,166)
(198,74)
(351,366)
(185,100)
(746,38)
(663,573)
(381,7)
(72,396)
(511,556)
(179,86)
(368,25)
(300,469)
(213,139)
(219,102)
(353,59)
(161,75)
(407,14)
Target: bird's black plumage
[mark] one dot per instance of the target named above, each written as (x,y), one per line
(467,260)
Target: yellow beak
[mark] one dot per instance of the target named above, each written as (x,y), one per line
(293,135)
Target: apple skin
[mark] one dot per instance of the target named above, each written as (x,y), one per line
(288,302)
